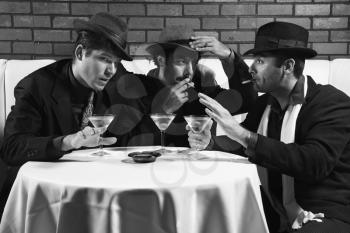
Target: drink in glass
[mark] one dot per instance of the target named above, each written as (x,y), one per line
(99,121)
(162,121)
(197,123)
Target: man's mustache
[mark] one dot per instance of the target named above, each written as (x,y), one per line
(180,78)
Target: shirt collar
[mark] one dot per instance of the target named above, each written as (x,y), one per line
(297,93)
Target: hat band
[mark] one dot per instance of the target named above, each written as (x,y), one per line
(272,42)
(114,36)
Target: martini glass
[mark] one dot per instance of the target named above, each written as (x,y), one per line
(197,124)
(162,121)
(101,121)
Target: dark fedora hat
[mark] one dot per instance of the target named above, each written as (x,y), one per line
(110,26)
(172,37)
(282,37)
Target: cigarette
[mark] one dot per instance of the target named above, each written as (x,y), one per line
(190,84)
(246,81)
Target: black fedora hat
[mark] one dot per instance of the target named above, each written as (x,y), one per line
(172,37)
(110,26)
(282,37)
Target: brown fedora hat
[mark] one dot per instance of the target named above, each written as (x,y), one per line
(110,26)
(282,37)
(172,37)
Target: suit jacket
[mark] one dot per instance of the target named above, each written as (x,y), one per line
(319,160)
(43,111)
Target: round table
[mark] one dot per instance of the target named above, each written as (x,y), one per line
(206,191)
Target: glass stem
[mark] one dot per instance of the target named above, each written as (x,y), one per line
(162,139)
(101,149)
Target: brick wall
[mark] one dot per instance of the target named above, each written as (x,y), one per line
(43,29)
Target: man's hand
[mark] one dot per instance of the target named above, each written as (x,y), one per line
(223,117)
(200,141)
(210,44)
(88,137)
(177,96)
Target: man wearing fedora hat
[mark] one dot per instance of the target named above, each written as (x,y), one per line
(298,134)
(183,77)
(50,117)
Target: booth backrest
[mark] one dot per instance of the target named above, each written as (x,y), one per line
(340,74)
(335,72)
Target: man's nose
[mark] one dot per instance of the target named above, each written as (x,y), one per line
(252,69)
(189,68)
(111,69)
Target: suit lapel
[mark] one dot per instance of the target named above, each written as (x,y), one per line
(62,105)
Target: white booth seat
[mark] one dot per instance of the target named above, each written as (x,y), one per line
(335,72)
(340,74)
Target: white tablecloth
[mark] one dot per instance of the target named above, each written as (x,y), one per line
(212,192)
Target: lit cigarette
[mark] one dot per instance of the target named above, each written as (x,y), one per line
(246,81)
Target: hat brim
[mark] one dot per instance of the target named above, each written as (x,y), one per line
(301,52)
(159,48)
(80,25)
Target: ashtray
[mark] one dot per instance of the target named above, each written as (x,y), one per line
(154,153)
(144,156)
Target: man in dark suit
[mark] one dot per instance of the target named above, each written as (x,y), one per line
(50,117)
(298,134)
(183,77)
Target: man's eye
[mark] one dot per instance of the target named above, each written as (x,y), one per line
(106,59)
(180,61)
(259,61)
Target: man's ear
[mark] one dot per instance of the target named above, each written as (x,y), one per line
(160,61)
(79,52)
(289,65)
